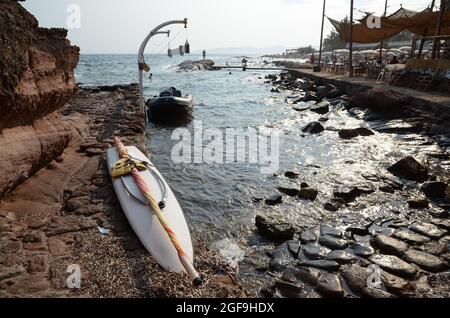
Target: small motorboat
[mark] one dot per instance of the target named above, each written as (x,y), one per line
(170,107)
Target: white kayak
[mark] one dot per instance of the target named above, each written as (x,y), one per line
(141,218)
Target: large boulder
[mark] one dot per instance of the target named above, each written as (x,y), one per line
(314,128)
(378,99)
(37,67)
(37,78)
(274,227)
(410,169)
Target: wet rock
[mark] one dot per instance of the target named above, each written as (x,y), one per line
(394,265)
(304,274)
(390,245)
(322,91)
(274,227)
(362,250)
(275,199)
(410,169)
(418,204)
(348,133)
(376,293)
(361,230)
(334,205)
(356,278)
(410,237)
(315,251)
(396,285)
(330,285)
(350,194)
(428,229)
(282,258)
(289,191)
(321,108)
(332,242)
(314,128)
(334,93)
(323,119)
(321,264)
(436,248)
(353,133)
(380,100)
(291,174)
(326,229)
(308,194)
(307,237)
(434,189)
(387,189)
(310,96)
(426,261)
(294,247)
(288,289)
(342,257)
(445,224)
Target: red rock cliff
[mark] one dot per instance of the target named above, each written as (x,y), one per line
(37,78)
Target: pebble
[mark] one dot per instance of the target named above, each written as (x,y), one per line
(282,258)
(308,194)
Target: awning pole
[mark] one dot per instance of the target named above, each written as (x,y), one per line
(350,55)
(438,28)
(385,12)
(321,36)
(425,32)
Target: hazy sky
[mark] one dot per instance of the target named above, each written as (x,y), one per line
(119,26)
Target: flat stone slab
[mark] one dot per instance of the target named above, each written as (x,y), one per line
(307,237)
(315,251)
(362,250)
(321,264)
(428,229)
(394,265)
(333,243)
(341,257)
(426,261)
(410,237)
(390,245)
(329,230)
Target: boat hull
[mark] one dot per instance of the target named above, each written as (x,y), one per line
(170,109)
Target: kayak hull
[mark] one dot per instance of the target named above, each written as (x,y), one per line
(144,222)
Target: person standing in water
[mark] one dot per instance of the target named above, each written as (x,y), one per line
(204,54)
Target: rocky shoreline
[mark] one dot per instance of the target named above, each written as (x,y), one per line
(404,256)
(38,245)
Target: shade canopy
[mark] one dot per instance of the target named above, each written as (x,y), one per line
(420,23)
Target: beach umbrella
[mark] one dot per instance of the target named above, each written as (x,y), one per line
(369,52)
(397,51)
(341,51)
(405,48)
(153,205)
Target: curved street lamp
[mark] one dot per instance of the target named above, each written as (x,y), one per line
(141,61)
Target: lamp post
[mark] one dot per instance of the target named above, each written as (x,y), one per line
(141,61)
